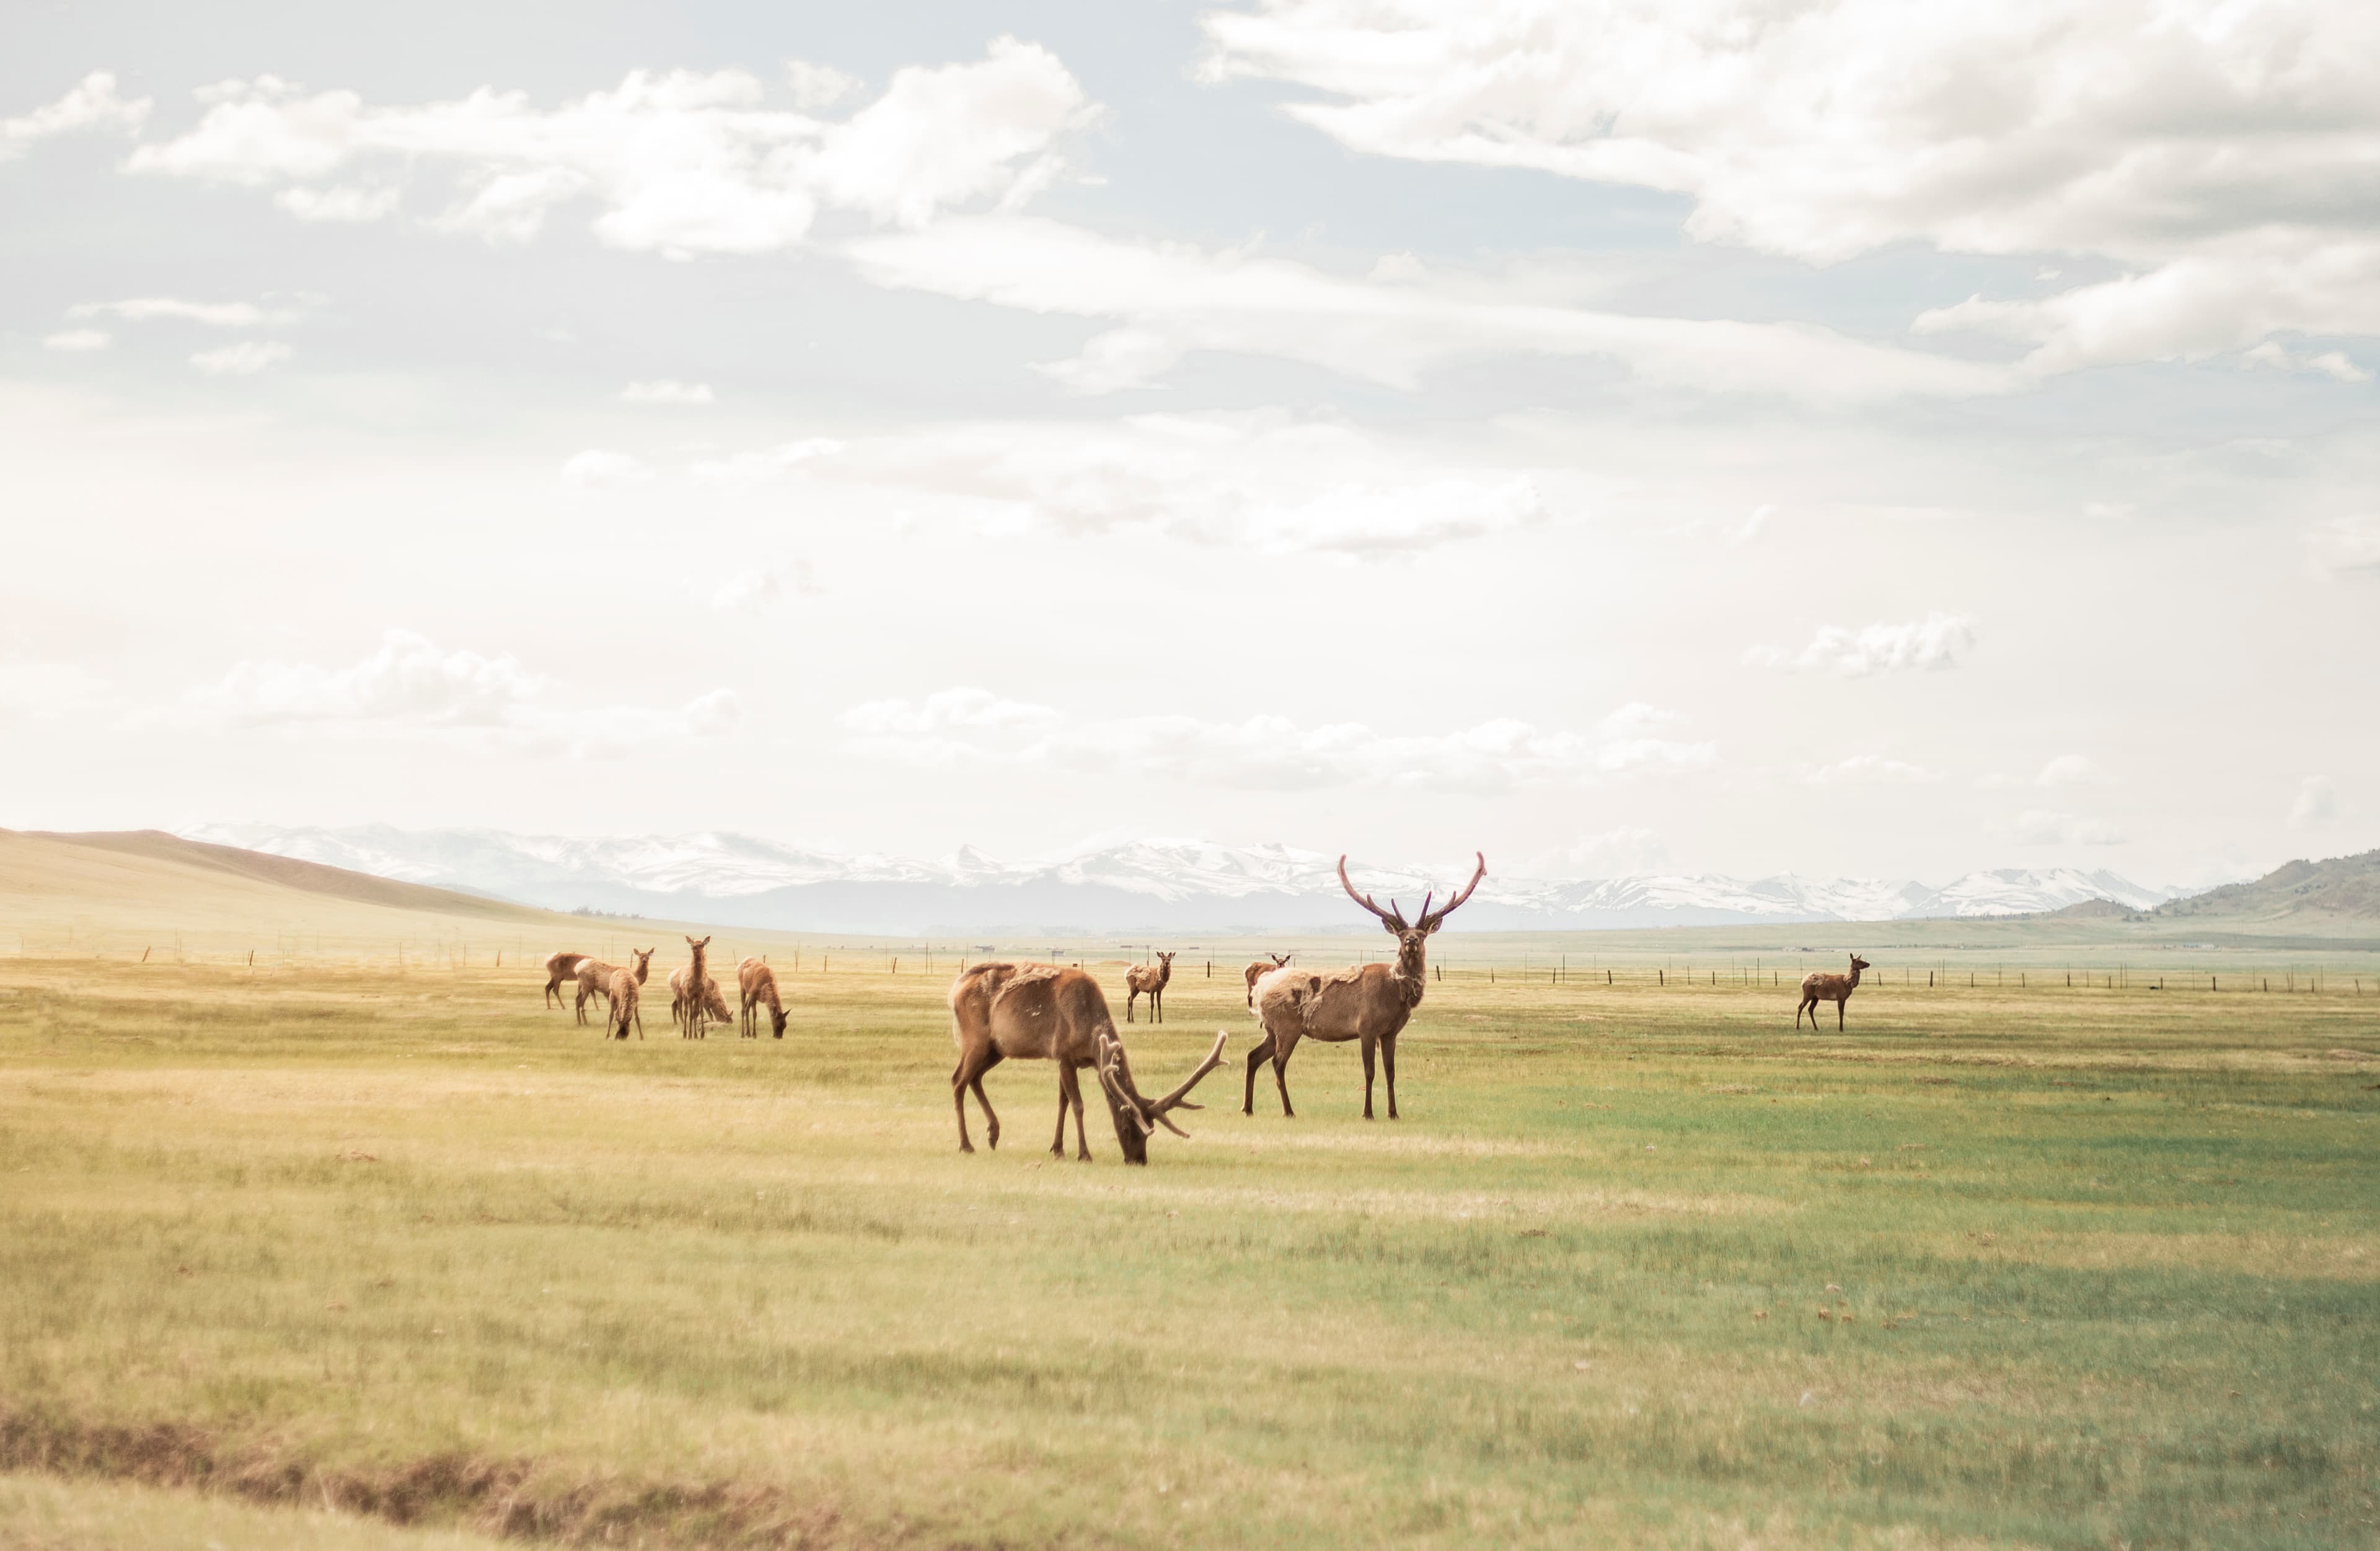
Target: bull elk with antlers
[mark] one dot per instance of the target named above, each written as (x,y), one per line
(1049,1013)
(1370,1003)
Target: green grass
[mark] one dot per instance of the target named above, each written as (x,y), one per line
(2108,1272)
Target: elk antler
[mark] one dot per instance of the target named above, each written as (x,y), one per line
(1428,922)
(1115,1076)
(1396,920)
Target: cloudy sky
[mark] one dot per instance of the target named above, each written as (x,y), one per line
(1850,438)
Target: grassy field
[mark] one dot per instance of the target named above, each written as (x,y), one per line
(303,1255)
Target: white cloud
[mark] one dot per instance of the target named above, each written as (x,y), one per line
(1751,528)
(818,86)
(410,678)
(1870,769)
(745,469)
(92,104)
(2316,804)
(1935,642)
(596,468)
(243,360)
(2333,364)
(214,314)
(2201,143)
(2347,546)
(353,206)
(682,163)
(747,591)
(1172,299)
(666,390)
(2072,770)
(1623,850)
(2040,827)
(1267,481)
(77,339)
(1267,751)
(714,714)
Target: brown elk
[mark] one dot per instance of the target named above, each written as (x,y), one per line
(685,1005)
(623,991)
(1148,980)
(694,995)
(757,983)
(1049,1013)
(595,976)
(1838,989)
(560,967)
(1369,1003)
(1260,968)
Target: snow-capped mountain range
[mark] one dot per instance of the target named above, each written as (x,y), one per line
(739,880)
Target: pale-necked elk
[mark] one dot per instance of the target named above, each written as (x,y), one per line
(595,976)
(1148,980)
(560,967)
(623,991)
(757,983)
(1260,968)
(1369,1003)
(1838,989)
(695,1013)
(1044,1012)
(688,995)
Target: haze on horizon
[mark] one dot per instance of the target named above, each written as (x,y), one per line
(1851,440)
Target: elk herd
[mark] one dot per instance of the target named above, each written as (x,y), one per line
(1048,1012)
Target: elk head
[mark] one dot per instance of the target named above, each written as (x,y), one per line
(1858,964)
(1137,1118)
(644,958)
(1412,940)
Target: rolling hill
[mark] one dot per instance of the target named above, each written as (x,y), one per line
(2344,888)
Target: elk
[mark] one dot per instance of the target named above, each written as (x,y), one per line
(623,991)
(695,993)
(1260,968)
(694,1014)
(1049,1013)
(758,985)
(1838,989)
(595,976)
(1148,980)
(1370,1003)
(560,967)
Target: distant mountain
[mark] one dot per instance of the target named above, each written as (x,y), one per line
(2345,887)
(738,880)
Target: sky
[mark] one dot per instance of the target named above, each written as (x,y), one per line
(1851,439)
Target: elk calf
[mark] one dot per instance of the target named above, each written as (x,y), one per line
(757,983)
(623,991)
(1838,989)
(1148,980)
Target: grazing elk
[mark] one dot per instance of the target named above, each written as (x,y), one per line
(1049,1013)
(1148,980)
(595,976)
(1370,1003)
(623,992)
(1260,968)
(1838,989)
(695,1013)
(560,967)
(757,983)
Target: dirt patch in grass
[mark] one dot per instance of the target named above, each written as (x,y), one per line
(513,1499)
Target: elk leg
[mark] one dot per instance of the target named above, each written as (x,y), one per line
(1388,1064)
(968,1074)
(1280,1072)
(1157,1005)
(990,1121)
(1070,1093)
(1256,1057)
(1838,1015)
(1369,1044)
